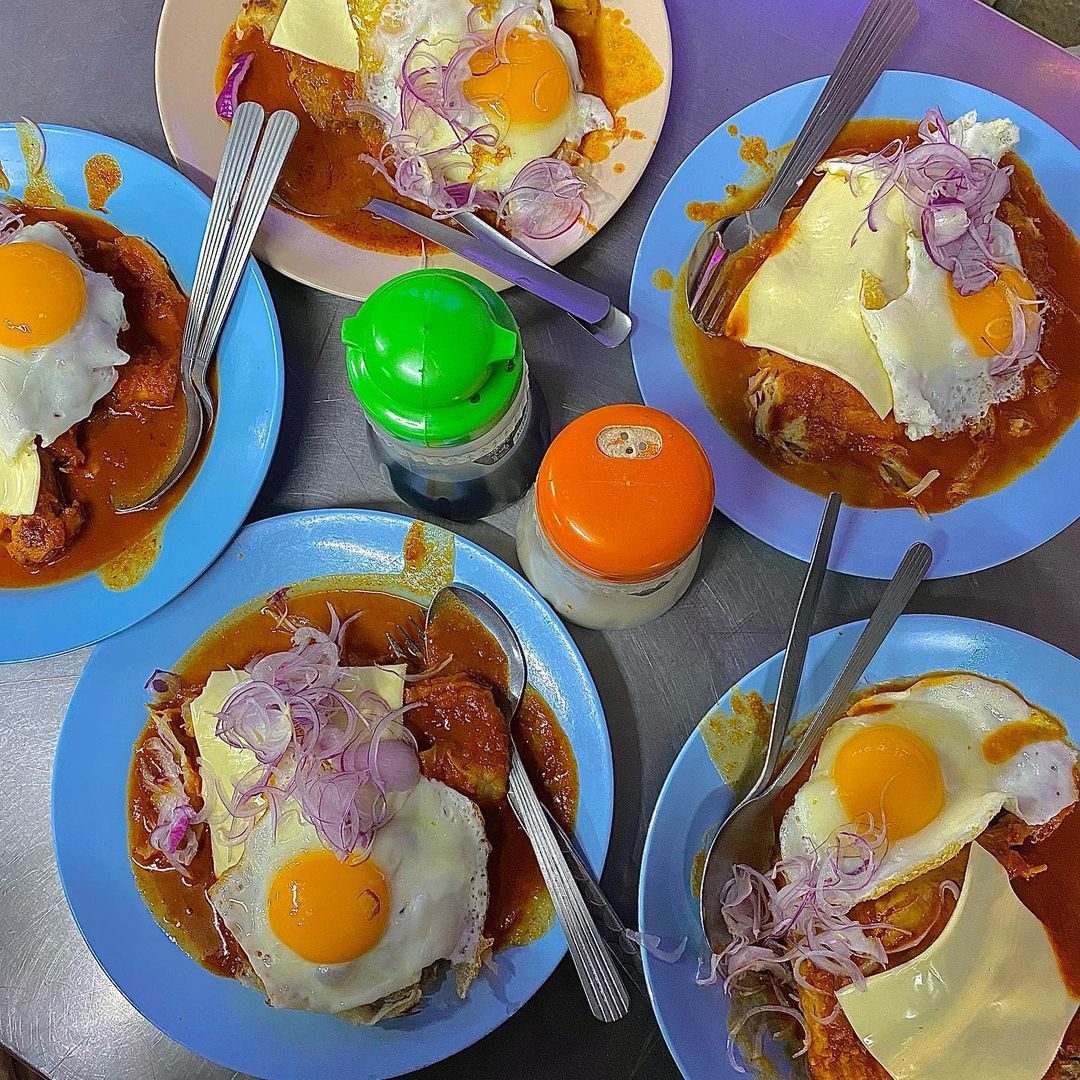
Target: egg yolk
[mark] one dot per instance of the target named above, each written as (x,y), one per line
(886,772)
(42,293)
(530,84)
(985,317)
(328,911)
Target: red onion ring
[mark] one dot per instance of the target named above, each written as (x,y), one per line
(229,97)
(338,760)
(11,224)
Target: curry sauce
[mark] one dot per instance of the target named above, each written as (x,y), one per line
(130,440)
(974,462)
(519,910)
(326,183)
(1050,889)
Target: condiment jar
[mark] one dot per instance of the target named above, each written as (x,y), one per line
(435,359)
(611,533)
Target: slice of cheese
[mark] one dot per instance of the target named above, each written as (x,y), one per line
(986,999)
(321,30)
(805,301)
(222,767)
(20,481)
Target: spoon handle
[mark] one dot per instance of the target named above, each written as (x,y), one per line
(898,593)
(798,640)
(604,988)
(884,26)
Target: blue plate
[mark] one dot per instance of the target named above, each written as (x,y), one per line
(217,1017)
(694,798)
(156,203)
(983,532)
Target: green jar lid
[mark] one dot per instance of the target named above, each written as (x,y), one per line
(434,356)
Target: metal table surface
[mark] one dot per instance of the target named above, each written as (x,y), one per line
(90,63)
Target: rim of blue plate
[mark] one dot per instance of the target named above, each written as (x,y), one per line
(217,1017)
(158,203)
(983,532)
(1042,672)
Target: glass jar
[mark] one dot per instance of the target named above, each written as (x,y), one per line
(454,417)
(611,534)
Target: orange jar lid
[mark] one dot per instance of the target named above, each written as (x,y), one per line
(624,493)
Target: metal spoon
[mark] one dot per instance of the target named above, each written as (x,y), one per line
(747,835)
(602,983)
(791,671)
(241,194)
(884,25)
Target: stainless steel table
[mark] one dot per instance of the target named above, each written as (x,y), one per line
(90,63)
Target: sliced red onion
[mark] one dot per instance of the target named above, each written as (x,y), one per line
(256,717)
(173,834)
(1026,336)
(229,97)
(652,945)
(163,684)
(10,224)
(336,759)
(544,201)
(788,1011)
(958,196)
(798,913)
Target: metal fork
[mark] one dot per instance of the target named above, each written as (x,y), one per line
(884,26)
(245,183)
(407,642)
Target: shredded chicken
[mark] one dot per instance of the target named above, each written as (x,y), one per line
(38,538)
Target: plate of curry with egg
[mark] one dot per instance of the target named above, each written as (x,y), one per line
(98,245)
(540,115)
(908,336)
(304,856)
(918,916)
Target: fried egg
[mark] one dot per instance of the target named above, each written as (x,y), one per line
(937,346)
(529,90)
(59,322)
(932,764)
(328,936)
(871,307)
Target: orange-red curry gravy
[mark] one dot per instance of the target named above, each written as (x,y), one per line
(130,439)
(324,181)
(1052,894)
(519,909)
(1023,431)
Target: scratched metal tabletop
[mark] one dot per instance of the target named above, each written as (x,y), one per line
(90,63)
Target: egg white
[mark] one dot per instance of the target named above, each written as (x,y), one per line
(953,714)
(939,382)
(442,26)
(46,390)
(433,854)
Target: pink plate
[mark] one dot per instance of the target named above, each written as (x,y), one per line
(188,45)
